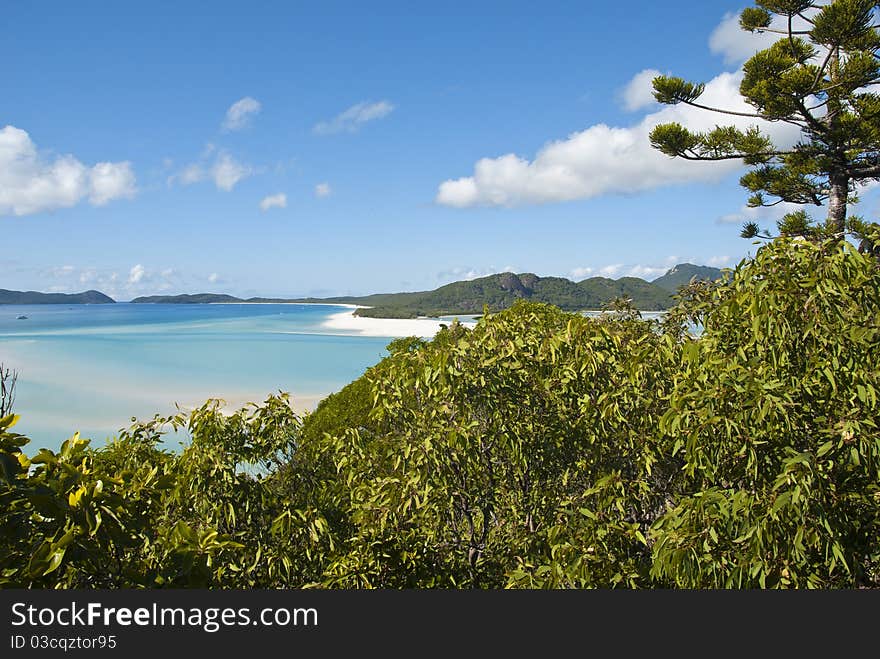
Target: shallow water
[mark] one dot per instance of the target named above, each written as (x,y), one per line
(91,368)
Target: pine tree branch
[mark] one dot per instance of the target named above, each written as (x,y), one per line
(793,122)
(821,72)
(785,32)
(864,171)
(816,125)
(773,203)
(808,20)
(734,156)
(733,112)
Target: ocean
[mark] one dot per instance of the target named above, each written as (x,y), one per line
(91,368)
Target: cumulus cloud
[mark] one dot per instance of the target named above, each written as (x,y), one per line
(274,201)
(213,278)
(110,181)
(467,273)
(240,113)
(31,182)
(639,92)
(136,274)
(605,159)
(767,214)
(139,280)
(188,175)
(610,270)
(224,170)
(227,172)
(648,272)
(736,45)
(60,271)
(352,119)
(718,261)
(323,190)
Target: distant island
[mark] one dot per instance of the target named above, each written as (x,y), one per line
(33,297)
(497,291)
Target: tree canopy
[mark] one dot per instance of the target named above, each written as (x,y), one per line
(819,77)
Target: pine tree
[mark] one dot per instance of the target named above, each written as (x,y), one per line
(817,76)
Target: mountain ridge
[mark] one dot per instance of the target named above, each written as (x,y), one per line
(498,291)
(35,297)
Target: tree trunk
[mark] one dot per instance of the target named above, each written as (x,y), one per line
(838,180)
(839,184)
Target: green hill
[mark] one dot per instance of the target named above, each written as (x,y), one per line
(502,290)
(498,291)
(684,273)
(198,298)
(33,297)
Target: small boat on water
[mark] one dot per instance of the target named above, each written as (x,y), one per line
(22,318)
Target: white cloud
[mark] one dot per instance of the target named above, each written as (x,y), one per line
(351,120)
(604,159)
(639,92)
(188,175)
(467,273)
(213,277)
(227,171)
(111,181)
(764,214)
(610,270)
(718,261)
(323,190)
(136,274)
(33,183)
(647,272)
(240,113)
(736,45)
(139,280)
(274,201)
(617,270)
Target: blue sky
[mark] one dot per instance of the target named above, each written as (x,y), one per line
(279,149)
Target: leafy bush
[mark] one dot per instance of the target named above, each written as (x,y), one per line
(540,449)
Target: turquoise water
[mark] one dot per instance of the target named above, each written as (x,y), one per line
(91,368)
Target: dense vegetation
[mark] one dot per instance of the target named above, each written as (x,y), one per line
(497,292)
(818,76)
(33,297)
(540,449)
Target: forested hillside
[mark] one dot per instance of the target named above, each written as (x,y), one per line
(33,297)
(498,291)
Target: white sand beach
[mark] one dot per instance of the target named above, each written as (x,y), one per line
(346,321)
(312,304)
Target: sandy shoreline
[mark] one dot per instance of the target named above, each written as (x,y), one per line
(317,304)
(425,328)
